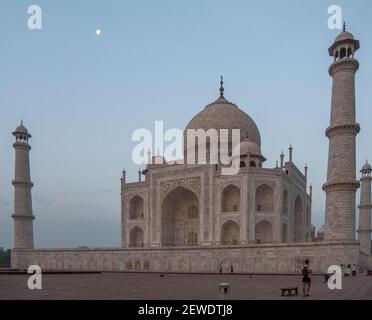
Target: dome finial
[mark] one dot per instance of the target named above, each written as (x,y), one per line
(344,27)
(221,87)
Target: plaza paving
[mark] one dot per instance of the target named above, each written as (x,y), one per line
(174,286)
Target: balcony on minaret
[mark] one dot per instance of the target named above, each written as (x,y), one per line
(366,170)
(344,46)
(21,134)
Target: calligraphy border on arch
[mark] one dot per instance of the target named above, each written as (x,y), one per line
(192,184)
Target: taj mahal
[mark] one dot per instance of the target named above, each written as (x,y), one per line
(192,218)
(196,205)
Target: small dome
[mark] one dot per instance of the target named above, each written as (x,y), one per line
(21,129)
(345,35)
(21,132)
(367,167)
(249,147)
(158,160)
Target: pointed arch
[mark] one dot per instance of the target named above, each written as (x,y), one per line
(264,198)
(230,233)
(137,265)
(136,208)
(180,218)
(298,219)
(136,237)
(264,232)
(129,265)
(230,199)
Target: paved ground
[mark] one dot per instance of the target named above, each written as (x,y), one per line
(173,286)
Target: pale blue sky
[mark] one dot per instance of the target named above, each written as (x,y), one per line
(81,96)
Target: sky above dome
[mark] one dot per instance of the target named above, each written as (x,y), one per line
(81,94)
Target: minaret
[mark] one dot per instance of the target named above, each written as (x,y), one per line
(341,182)
(282,160)
(23,218)
(123,180)
(365,209)
(290,153)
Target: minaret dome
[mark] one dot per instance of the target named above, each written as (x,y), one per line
(344,46)
(21,134)
(366,170)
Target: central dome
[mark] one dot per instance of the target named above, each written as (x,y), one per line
(223,114)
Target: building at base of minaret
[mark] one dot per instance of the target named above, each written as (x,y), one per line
(23,217)
(365,209)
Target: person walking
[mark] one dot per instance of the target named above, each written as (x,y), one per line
(221,268)
(306,280)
